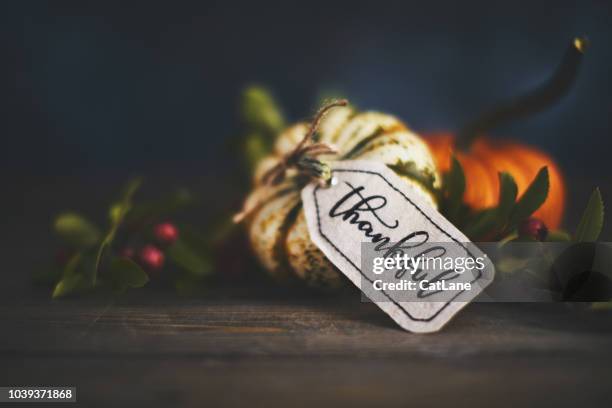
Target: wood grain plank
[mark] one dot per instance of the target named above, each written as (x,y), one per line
(273,349)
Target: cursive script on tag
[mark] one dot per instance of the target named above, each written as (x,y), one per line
(372,213)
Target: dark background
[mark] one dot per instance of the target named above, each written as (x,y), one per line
(94,92)
(117,85)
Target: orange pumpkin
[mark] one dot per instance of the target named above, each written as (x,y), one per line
(486,158)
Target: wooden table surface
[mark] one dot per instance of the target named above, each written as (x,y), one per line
(264,348)
(267,348)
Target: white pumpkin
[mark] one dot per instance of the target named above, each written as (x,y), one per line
(276,224)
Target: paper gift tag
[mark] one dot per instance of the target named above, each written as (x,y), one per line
(401,252)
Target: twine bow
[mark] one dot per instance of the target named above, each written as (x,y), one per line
(303,158)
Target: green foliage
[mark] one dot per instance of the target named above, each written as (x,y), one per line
(511,264)
(184,254)
(144,213)
(262,122)
(481,225)
(532,199)
(491,223)
(71,281)
(558,236)
(453,189)
(500,224)
(256,147)
(95,264)
(117,214)
(76,231)
(219,232)
(588,230)
(70,285)
(125,273)
(260,111)
(591,222)
(507,197)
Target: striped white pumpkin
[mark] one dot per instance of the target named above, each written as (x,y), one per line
(277,226)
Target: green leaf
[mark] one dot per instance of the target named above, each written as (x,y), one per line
(125,273)
(218,232)
(558,236)
(455,180)
(591,222)
(260,112)
(150,211)
(491,222)
(72,280)
(511,237)
(511,264)
(482,225)
(532,198)
(454,187)
(185,256)
(117,214)
(76,230)
(507,196)
(255,149)
(69,285)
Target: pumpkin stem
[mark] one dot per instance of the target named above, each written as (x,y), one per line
(533,101)
(302,156)
(316,121)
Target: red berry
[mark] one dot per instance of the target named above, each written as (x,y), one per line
(127,252)
(151,257)
(533,228)
(165,233)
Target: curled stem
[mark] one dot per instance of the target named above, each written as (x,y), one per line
(303,149)
(533,101)
(302,157)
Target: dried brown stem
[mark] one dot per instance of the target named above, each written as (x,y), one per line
(277,173)
(533,101)
(302,157)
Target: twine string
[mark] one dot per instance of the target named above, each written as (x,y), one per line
(303,158)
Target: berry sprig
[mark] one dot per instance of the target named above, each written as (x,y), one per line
(151,256)
(90,260)
(512,219)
